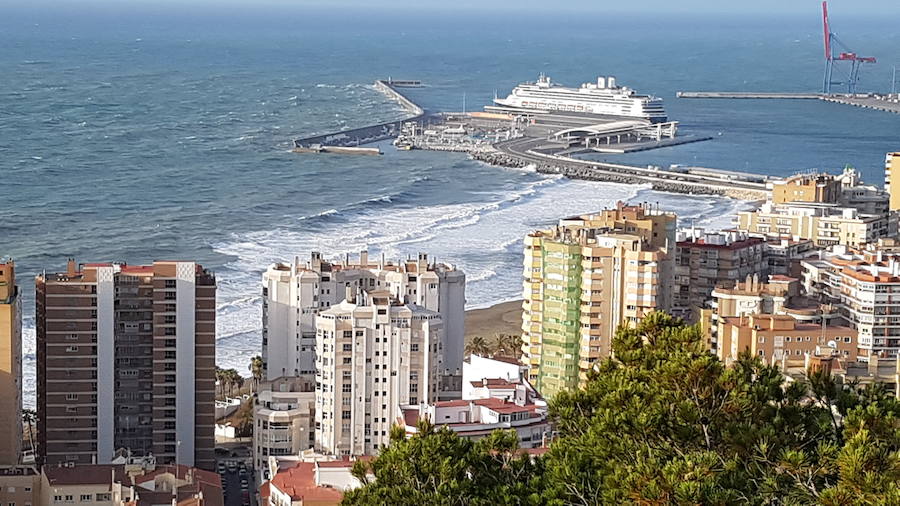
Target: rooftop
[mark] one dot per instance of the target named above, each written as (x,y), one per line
(299,483)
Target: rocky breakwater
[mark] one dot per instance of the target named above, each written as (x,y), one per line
(593,173)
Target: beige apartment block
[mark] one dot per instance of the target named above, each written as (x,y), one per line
(823,224)
(10,366)
(891,175)
(373,353)
(20,486)
(583,279)
(778,337)
(126,360)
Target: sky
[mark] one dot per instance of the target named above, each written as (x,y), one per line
(855,8)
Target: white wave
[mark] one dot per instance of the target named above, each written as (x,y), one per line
(323,85)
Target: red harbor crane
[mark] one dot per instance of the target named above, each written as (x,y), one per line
(837,54)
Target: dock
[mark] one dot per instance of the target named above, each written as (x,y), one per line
(748,95)
(877,102)
(371,133)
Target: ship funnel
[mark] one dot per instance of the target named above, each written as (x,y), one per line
(601,82)
(611,81)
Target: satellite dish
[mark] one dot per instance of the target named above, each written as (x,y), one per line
(832,344)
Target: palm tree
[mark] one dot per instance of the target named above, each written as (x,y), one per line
(220,381)
(508,345)
(477,346)
(256,371)
(30,418)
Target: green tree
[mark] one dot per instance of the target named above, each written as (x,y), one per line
(435,466)
(256,371)
(508,345)
(478,346)
(665,422)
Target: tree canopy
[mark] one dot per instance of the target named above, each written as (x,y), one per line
(665,422)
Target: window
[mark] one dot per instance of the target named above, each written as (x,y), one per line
(86,497)
(70,498)
(57,498)
(347,347)
(761,339)
(71,397)
(345,415)
(71,349)
(414,347)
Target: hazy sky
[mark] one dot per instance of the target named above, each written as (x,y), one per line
(854,8)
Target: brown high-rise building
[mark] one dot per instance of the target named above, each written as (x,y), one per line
(10,366)
(126,360)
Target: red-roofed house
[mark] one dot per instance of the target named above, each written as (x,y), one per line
(297,486)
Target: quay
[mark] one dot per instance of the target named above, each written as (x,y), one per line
(878,102)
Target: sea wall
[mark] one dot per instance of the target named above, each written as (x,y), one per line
(595,174)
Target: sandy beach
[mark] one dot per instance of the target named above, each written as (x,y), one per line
(503,318)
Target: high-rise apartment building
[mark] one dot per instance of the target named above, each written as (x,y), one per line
(585,278)
(892,170)
(704,260)
(126,360)
(10,366)
(293,295)
(373,352)
(865,287)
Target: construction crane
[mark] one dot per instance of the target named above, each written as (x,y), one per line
(837,52)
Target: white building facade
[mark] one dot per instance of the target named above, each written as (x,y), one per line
(373,353)
(293,295)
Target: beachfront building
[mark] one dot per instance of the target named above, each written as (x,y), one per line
(775,338)
(865,287)
(10,366)
(823,224)
(823,208)
(373,353)
(583,279)
(845,190)
(294,294)
(704,260)
(283,420)
(126,360)
(892,168)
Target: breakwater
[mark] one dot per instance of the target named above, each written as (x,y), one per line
(586,172)
(370,133)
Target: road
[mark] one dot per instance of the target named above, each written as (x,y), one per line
(524,148)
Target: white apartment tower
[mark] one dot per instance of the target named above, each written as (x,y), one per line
(374,353)
(293,295)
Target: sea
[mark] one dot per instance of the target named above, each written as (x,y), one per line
(132,132)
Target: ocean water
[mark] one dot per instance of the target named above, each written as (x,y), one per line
(131,134)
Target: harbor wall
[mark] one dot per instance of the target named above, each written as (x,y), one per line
(371,133)
(596,174)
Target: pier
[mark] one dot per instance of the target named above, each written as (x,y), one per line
(371,133)
(877,102)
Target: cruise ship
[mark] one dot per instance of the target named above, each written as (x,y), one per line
(601,98)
